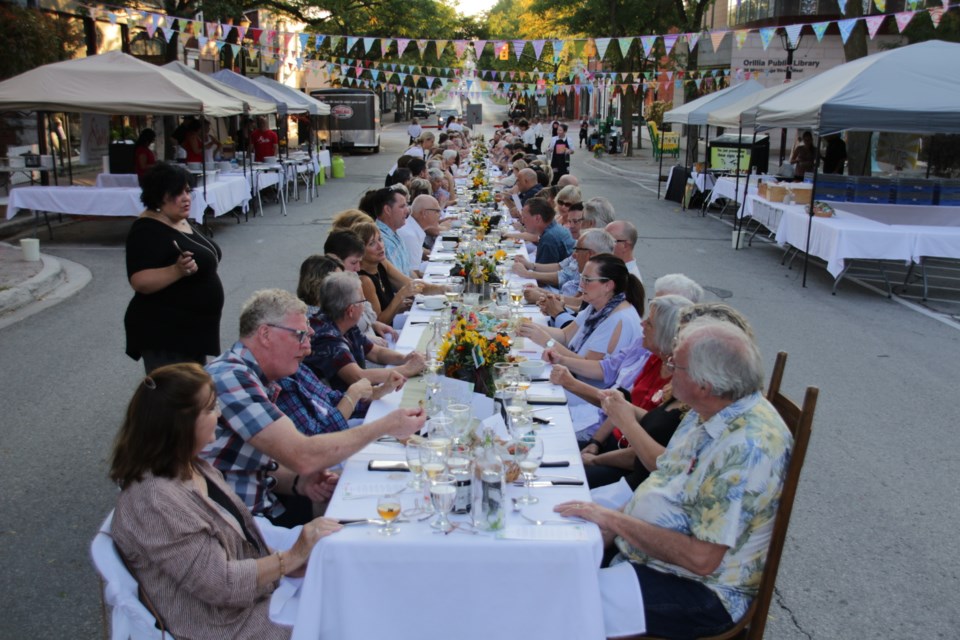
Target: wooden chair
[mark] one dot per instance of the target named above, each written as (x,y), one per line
(671,141)
(800,422)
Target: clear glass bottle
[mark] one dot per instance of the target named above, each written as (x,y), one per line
(489,513)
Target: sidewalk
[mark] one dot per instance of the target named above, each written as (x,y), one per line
(29,287)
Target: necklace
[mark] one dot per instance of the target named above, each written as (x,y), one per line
(203,242)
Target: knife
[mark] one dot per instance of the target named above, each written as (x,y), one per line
(555,463)
(551,483)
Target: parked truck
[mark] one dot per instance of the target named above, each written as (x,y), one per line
(354,120)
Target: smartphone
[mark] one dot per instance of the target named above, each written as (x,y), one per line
(387,465)
(179,250)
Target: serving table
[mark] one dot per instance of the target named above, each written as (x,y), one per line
(524,581)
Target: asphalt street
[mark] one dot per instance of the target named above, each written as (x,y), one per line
(870,552)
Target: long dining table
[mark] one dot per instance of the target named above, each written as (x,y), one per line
(525,581)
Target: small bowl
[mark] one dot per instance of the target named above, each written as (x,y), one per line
(531,368)
(448,245)
(433,303)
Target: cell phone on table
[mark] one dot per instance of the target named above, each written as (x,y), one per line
(387,465)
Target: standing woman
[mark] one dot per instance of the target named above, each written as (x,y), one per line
(584,127)
(175,312)
(143,157)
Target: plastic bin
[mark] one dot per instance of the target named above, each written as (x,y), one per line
(871,189)
(913,191)
(948,194)
(833,187)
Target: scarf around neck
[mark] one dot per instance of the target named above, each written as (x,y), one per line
(593,321)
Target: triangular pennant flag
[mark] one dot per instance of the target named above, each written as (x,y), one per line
(151,28)
(873,24)
(384,47)
(766,35)
(422,46)
(518,46)
(112,17)
(793,34)
(935,14)
(819,28)
(478,46)
(648,42)
(368,44)
(846,26)
(167,33)
(441,45)
(602,44)
(335,42)
(740,36)
(286,40)
(351,42)
(402,45)
(538,47)
(202,41)
(236,49)
(716,37)
(318,41)
(843,6)
(692,39)
(903,19)
(669,41)
(241,33)
(459,46)
(212,29)
(624,45)
(303,40)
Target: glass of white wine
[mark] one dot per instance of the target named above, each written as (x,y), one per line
(443,491)
(415,465)
(501,376)
(388,508)
(453,288)
(516,294)
(528,458)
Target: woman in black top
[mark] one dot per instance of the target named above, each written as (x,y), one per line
(175,312)
(386,288)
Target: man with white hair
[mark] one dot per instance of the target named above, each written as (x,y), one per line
(678,284)
(625,236)
(276,470)
(424,221)
(696,531)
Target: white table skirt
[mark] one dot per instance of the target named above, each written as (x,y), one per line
(222,195)
(419,584)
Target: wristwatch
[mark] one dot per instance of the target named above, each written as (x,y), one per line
(550,344)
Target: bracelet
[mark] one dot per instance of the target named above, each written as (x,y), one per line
(347,396)
(296,479)
(283,571)
(596,442)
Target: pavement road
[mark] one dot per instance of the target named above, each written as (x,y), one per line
(870,551)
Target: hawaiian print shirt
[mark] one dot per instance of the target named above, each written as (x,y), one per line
(719,481)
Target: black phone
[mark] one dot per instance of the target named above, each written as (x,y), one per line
(387,465)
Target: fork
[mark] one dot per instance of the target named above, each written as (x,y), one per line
(376,495)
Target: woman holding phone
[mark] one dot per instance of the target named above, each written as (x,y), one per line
(174,315)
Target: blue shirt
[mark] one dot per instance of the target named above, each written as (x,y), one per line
(396,250)
(311,404)
(555,244)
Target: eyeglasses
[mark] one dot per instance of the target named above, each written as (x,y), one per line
(592,279)
(673,366)
(437,210)
(580,249)
(574,220)
(302,334)
(357,302)
(619,241)
(564,203)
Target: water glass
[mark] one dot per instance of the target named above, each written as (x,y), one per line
(443,492)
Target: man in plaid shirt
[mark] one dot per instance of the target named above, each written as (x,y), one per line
(277,470)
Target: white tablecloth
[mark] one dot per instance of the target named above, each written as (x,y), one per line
(222,195)
(727,187)
(109,180)
(419,584)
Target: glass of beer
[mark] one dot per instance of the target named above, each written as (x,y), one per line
(388,508)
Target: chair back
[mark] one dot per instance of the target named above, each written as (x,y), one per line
(130,619)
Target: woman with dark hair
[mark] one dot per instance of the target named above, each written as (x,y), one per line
(611,320)
(190,542)
(143,157)
(386,288)
(175,312)
(348,246)
(192,141)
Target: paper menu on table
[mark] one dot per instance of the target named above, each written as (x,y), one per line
(546,392)
(562,532)
(516,202)
(370,489)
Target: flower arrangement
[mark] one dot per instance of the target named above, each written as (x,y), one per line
(478,267)
(471,348)
(477,218)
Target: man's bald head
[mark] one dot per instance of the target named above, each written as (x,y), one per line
(426,210)
(526,179)
(568,179)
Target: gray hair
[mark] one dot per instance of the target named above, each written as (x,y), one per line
(723,356)
(717,311)
(426,135)
(680,285)
(338,292)
(629,233)
(451,155)
(268,306)
(597,240)
(598,211)
(666,321)
(435,174)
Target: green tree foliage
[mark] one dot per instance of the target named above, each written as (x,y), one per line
(32,38)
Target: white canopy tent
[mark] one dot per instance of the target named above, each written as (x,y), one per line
(743,112)
(113,83)
(314,107)
(697,111)
(285,104)
(252,104)
(908,90)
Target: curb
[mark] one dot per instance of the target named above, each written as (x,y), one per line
(57,280)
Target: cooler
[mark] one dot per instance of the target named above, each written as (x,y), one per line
(870,189)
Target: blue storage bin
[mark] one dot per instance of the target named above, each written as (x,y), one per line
(949,193)
(913,191)
(871,189)
(833,187)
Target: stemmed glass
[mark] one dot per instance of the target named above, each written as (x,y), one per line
(454,288)
(516,294)
(518,411)
(443,492)
(388,507)
(415,465)
(501,376)
(528,457)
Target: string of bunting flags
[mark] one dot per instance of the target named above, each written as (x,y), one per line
(302,49)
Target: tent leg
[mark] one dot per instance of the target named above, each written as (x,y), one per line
(660,170)
(813,194)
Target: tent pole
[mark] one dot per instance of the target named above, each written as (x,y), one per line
(69,150)
(930,157)
(736,188)
(813,194)
(660,170)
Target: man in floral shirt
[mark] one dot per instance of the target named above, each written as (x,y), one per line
(697,530)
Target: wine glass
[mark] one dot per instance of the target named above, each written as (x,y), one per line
(528,458)
(440,428)
(516,294)
(388,507)
(443,491)
(460,417)
(501,376)
(415,465)
(454,288)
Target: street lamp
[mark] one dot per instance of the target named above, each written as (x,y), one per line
(789,47)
